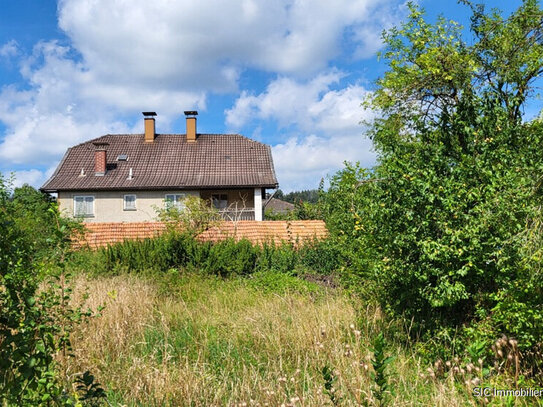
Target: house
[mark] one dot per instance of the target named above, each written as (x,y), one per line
(126,177)
(278,206)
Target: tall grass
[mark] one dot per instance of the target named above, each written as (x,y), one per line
(193,340)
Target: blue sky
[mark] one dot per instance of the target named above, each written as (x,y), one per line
(290,73)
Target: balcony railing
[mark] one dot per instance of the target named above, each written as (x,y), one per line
(237,214)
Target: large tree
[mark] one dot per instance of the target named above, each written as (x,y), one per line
(444,216)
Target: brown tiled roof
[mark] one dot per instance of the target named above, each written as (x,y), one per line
(170,162)
(279,206)
(102,234)
(296,231)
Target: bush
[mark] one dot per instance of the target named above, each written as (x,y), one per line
(279,258)
(223,258)
(229,257)
(321,256)
(439,222)
(34,326)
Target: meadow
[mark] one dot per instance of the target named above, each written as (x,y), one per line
(189,339)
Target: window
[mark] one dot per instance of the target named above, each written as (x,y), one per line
(175,201)
(129,203)
(220,201)
(84,206)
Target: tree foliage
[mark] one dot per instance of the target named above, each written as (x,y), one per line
(307,195)
(444,217)
(196,216)
(35,314)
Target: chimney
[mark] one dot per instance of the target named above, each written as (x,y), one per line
(191,125)
(149,124)
(100,158)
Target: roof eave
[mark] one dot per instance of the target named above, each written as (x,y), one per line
(160,188)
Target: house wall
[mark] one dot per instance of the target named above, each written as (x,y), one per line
(108,205)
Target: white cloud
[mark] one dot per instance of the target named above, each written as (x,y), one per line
(300,163)
(31,177)
(328,118)
(9,49)
(123,57)
(191,43)
(65,106)
(285,99)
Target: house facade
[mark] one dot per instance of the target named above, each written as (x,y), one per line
(129,177)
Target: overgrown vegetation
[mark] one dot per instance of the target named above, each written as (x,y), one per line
(196,216)
(224,258)
(445,227)
(35,323)
(439,247)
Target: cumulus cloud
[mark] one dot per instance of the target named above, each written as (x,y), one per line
(30,177)
(9,49)
(206,43)
(327,128)
(121,57)
(65,105)
(302,162)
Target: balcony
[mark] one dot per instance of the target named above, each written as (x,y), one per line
(237,214)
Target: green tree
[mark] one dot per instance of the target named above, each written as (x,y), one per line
(196,216)
(33,217)
(35,323)
(458,174)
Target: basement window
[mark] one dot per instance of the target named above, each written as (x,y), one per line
(129,203)
(84,206)
(175,201)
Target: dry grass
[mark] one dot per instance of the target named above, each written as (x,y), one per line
(217,343)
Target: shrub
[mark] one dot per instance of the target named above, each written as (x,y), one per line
(223,258)
(279,258)
(34,326)
(321,256)
(229,257)
(438,222)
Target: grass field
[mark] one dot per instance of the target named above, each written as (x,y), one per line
(191,340)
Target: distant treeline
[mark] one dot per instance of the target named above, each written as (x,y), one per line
(309,195)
